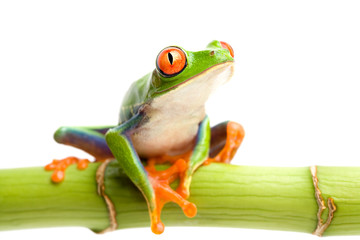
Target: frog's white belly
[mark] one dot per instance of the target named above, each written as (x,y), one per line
(171,136)
(173,118)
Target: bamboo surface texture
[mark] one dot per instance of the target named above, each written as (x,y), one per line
(226,196)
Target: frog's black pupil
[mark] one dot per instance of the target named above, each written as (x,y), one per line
(170,57)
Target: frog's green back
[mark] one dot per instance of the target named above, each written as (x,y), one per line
(134,98)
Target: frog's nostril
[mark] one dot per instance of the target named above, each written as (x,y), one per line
(228,47)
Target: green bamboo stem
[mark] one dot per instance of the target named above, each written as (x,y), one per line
(226,196)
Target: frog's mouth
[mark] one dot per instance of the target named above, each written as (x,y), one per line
(217,74)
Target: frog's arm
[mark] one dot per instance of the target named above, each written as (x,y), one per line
(198,156)
(119,141)
(88,139)
(120,144)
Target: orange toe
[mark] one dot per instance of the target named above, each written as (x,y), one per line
(83,164)
(163,194)
(157,227)
(59,167)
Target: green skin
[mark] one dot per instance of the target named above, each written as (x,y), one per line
(161,115)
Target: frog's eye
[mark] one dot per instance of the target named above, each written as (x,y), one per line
(171,61)
(228,47)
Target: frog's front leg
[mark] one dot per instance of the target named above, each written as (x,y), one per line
(197,157)
(154,187)
(88,139)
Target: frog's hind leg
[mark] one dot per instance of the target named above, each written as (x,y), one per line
(88,139)
(226,138)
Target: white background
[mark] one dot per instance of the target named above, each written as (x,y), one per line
(296,89)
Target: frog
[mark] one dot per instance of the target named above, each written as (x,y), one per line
(163,121)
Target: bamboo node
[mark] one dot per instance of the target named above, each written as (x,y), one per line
(321,225)
(100,180)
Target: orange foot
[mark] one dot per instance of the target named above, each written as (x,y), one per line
(181,189)
(234,135)
(161,181)
(59,167)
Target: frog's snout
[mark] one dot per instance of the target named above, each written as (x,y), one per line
(228,47)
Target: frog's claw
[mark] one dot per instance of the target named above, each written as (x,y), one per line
(178,160)
(234,136)
(59,167)
(160,181)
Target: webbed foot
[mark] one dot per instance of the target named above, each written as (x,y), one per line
(59,167)
(183,187)
(160,181)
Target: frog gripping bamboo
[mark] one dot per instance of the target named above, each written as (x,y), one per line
(163,120)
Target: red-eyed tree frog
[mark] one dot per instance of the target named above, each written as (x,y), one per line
(162,119)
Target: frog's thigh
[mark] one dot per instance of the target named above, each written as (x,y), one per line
(88,139)
(218,138)
(222,133)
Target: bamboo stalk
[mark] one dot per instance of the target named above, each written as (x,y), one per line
(226,196)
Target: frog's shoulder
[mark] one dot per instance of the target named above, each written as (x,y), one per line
(135,97)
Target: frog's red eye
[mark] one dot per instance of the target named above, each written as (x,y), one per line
(228,47)
(171,61)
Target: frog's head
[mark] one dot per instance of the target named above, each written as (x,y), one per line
(176,68)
